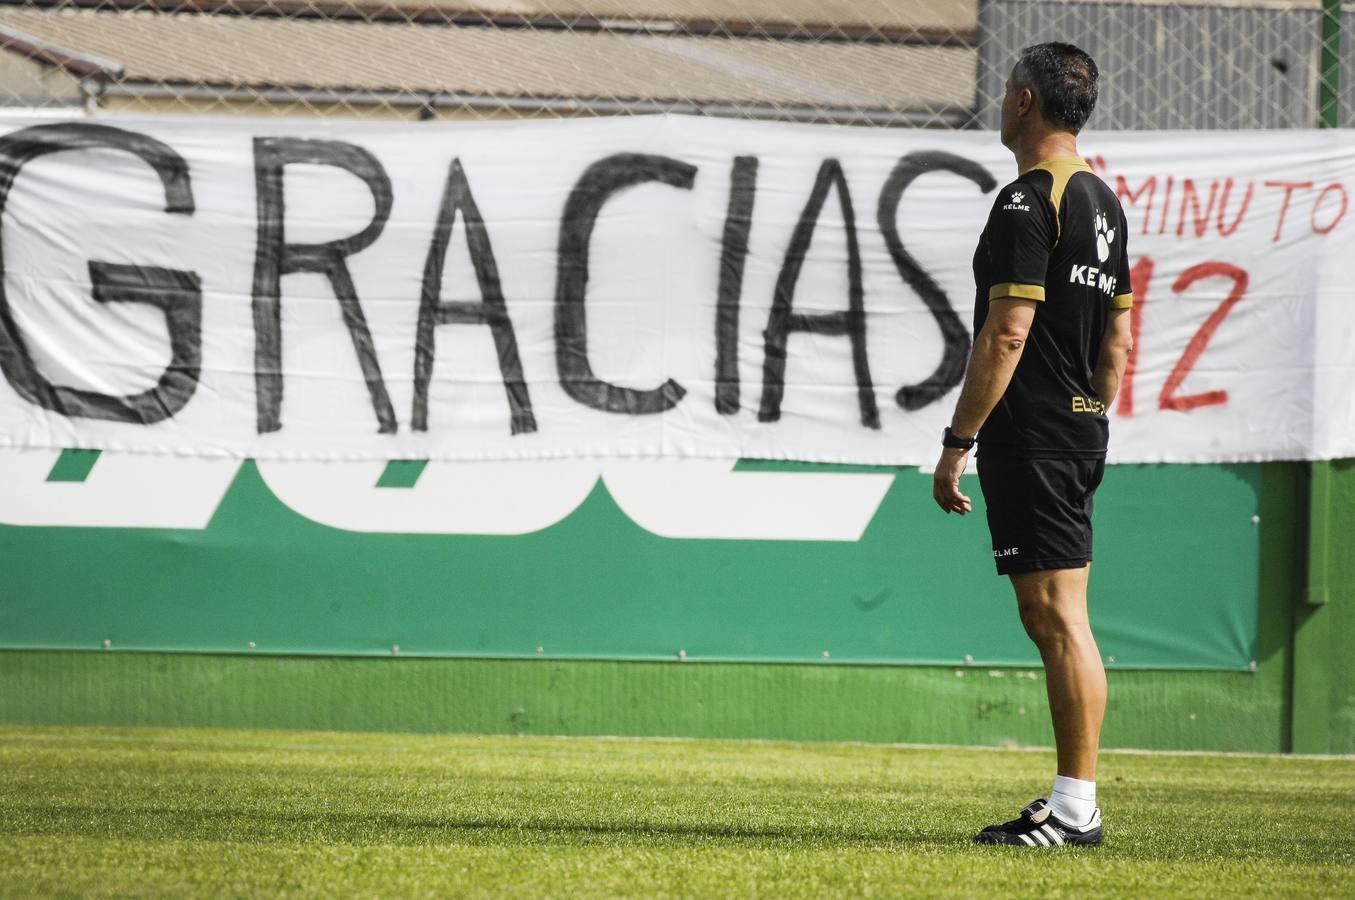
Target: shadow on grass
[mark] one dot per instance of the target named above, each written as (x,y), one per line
(284,828)
(908,835)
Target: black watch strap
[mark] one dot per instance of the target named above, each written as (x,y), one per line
(955,442)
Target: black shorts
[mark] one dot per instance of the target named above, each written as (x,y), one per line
(1039,511)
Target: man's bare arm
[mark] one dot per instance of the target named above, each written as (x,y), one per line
(1116,343)
(997,350)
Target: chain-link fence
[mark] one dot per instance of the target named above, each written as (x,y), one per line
(936,63)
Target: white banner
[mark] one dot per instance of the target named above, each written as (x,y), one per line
(640,287)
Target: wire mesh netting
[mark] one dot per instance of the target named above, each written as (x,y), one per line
(932,63)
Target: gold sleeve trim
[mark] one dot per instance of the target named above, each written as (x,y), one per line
(1122,301)
(1017,291)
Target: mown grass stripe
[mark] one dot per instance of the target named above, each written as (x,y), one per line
(128,812)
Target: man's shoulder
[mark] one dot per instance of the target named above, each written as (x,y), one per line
(1031,185)
(1064,176)
(1089,182)
(1023,203)
(1022,206)
(1093,197)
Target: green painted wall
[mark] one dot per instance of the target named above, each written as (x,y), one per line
(1176,710)
(1341,610)
(918,587)
(1149,709)
(1324,626)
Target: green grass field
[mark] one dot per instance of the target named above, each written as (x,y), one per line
(230,813)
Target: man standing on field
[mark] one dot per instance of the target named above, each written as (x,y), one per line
(1052,336)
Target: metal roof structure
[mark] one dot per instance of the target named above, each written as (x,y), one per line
(937,21)
(564,70)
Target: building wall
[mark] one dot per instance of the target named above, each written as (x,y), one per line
(24,82)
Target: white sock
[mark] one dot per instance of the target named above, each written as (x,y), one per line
(1073,800)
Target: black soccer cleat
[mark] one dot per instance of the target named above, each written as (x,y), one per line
(1039,827)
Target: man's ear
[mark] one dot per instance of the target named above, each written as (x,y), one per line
(1025,101)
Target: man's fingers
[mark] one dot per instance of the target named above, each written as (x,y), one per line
(946,493)
(939,495)
(946,486)
(957,501)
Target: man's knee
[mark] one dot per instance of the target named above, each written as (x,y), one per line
(1052,605)
(1043,621)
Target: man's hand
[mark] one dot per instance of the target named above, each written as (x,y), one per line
(946,482)
(992,361)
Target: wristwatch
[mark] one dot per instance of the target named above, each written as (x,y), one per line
(953,441)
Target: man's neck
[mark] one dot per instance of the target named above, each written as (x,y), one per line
(1047,146)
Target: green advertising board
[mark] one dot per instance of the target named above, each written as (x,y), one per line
(1174,584)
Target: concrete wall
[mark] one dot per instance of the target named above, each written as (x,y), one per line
(1301,696)
(24,82)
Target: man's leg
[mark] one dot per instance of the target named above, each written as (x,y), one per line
(1053,606)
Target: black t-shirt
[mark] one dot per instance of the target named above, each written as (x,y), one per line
(1057,235)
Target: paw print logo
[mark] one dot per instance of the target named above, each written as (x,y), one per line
(1105,236)
(1017,196)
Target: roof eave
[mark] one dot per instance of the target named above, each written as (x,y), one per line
(424,13)
(946,115)
(80,65)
